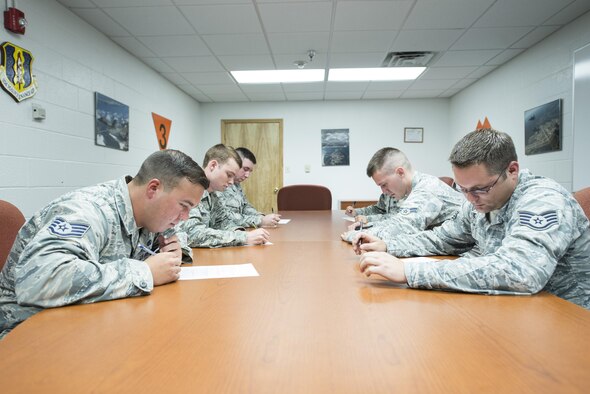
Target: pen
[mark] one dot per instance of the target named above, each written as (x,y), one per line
(147,250)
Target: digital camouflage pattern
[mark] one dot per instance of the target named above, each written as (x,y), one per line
(239,210)
(81,248)
(430,203)
(209,225)
(539,240)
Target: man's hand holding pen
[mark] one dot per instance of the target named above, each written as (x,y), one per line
(165,261)
(364,242)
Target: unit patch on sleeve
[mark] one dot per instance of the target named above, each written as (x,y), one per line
(65,229)
(538,221)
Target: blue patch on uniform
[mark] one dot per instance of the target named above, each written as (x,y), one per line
(63,228)
(407,211)
(538,221)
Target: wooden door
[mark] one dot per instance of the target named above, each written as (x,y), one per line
(264,137)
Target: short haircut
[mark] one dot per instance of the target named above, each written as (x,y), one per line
(246,153)
(222,154)
(388,159)
(170,166)
(489,147)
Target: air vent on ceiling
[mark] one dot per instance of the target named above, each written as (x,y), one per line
(407,59)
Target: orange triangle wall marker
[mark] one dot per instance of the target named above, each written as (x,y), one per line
(162,126)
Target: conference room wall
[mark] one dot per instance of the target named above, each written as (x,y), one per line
(372,125)
(541,74)
(40,160)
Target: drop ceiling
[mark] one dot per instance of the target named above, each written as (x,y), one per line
(195,43)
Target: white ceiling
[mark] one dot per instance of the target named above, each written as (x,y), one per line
(195,43)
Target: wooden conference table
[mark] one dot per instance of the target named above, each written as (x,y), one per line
(310,323)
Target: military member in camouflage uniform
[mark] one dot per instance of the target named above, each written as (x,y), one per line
(423,201)
(88,245)
(209,224)
(384,209)
(518,234)
(240,211)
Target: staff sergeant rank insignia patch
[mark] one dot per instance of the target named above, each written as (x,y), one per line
(538,222)
(16,72)
(407,211)
(64,229)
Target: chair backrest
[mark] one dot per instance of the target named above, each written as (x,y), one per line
(304,198)
(583,197)
(448,180)
(11,220)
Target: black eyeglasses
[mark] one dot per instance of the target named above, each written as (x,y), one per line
(480,191)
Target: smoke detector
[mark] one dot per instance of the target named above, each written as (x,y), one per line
(407,59)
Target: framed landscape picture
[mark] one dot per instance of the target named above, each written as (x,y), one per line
(542,128)
(335,147)
(111,123)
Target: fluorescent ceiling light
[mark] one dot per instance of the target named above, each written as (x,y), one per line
(375,74)
(278,76)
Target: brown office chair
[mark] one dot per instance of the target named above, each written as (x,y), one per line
(583,197)
(448,180)
(12,220)
(304,198)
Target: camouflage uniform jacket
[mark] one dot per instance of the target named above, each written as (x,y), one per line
(239,210)
(539,240)
(81,248)
(430,203)
(384,208)
(209,225)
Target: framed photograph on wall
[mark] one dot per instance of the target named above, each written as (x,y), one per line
(414,134)
(111,123)
(335,147)
(542,128)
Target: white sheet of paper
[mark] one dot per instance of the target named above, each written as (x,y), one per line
(264,244)
(284,221)
(419,259)
(348,218)
(217,271)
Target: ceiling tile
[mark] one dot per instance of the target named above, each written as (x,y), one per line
(273,88)
(286,61)
(282,43)
(426,40)
(157,64)
(344,95)
(421,93)
(147,21)
(189,45)
(208,78)
(221,89)
(362,41)
(504,57)
(447,72)
(304,87)
(448,14)
(247,62)
(237,44)
(266,96)
(77,3)
(296,17)
(535,36)
(382,94)
(130,3)
(193,63)
(134,47)
(481,71)
(433,84)
(466,58)
(351,60)
(101,21)
(371,15)
(490,38)
(389,85)
(223,19)
(304,96)
(569,13)
(506,13)
(175,78)
(346,86)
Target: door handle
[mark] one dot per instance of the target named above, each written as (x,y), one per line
(276,190)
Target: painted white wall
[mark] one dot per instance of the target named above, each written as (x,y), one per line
(372,125)
(540,75)
(40,160)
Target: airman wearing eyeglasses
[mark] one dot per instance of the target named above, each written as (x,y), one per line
(516,234)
